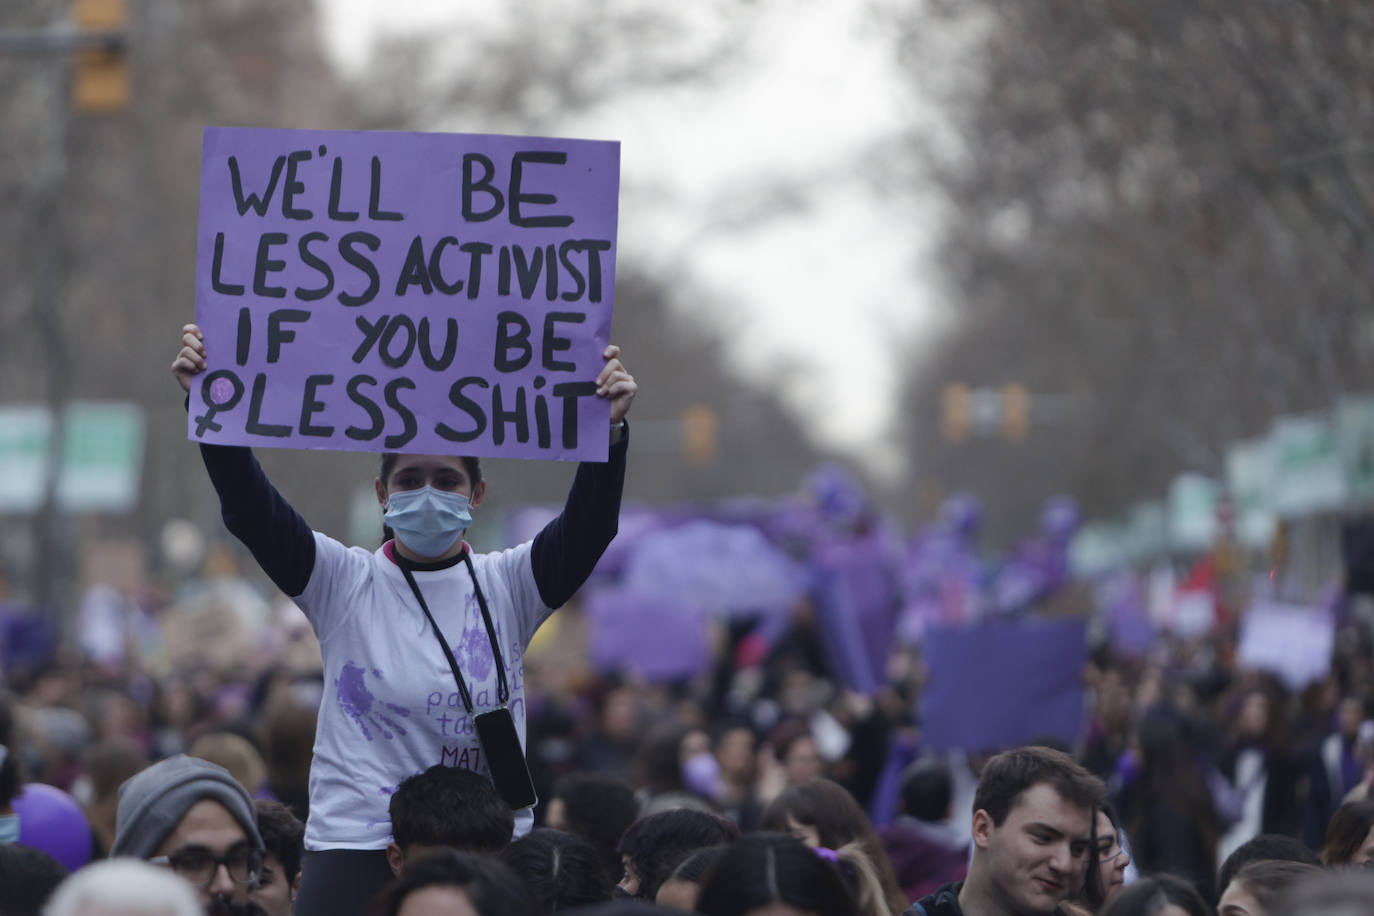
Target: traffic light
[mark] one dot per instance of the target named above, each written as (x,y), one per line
(956,412)
(1016,402)
(699,428)
(100,82)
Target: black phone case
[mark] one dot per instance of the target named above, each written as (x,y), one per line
(510,773)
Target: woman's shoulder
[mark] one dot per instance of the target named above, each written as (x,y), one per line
(335,559)
(502,557)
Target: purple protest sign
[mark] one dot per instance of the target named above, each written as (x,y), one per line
(389,291)
(733,569)
(1004,683)
(657,638)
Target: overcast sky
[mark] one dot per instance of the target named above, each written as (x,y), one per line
(835,288)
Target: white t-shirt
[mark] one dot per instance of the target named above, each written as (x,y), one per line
(390,707)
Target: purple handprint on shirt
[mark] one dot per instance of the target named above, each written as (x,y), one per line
(356,700)
(474,649)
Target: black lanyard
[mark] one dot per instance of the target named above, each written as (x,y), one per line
(502,691)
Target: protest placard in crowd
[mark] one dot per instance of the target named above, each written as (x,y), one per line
(1291,641)
(1004,683)
(389,291)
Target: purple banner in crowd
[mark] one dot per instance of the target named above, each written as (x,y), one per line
(388,291)
(1003,684)
(856,600)
(651,636)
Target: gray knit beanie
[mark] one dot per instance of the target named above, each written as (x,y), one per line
(153,801)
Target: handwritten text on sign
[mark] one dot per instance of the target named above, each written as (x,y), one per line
(432,293)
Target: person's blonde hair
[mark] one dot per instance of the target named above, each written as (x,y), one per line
(839,820)
(867,883)
(236,754)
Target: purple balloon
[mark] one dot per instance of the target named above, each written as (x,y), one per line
(51,820)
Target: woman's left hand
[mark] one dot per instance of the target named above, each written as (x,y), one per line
(616,383)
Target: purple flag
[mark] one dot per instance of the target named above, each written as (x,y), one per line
(636,523)
(1032,574)
(1128,619)
(28,639)
(656,638)
(437,293)
(733,569)
(1004,683)
(856,604)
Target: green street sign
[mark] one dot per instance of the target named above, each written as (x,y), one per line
(1147,531)
(1355,417)
(101,466)
(1096,549)
(1193,512)
(1250,478)
(102,457)
(1309,469)
(25,441)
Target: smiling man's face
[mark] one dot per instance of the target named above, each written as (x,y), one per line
(1038,855)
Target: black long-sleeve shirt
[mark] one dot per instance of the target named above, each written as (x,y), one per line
(563,555)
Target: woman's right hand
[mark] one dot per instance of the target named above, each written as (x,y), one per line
(191,359)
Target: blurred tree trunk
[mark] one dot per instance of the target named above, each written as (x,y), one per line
(1160,210)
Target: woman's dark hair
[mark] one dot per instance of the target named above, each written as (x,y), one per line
(697,864)
(785,734)
(491,885)
(1346,832)
(1171,778)
(561,869)
(1266,847)
(287,729)
(1277,732)
(163,690)
(11,771)
(1093,892)
(764,868)
(657,765)
(1148,896)
(598,807)
(28,878)
(656,843)
(839,820)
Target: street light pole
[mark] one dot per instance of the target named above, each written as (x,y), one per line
(49,239)
(100,84)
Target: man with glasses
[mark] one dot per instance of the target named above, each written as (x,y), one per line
(191,816)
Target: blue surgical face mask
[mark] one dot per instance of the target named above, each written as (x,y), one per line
(428,521)
(9,829)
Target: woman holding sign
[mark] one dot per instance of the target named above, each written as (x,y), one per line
(422,640)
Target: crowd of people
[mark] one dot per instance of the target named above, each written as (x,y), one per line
(1046,836)
(408,747)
